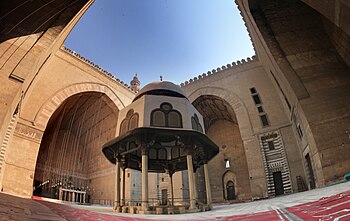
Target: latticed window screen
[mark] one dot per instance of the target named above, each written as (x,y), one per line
(162,154)
(152,154)
(175,152)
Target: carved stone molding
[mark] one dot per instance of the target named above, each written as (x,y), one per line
(28,132)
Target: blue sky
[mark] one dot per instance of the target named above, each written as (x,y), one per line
(178,39)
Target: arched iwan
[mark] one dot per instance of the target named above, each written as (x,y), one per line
(49,107)
(243,119)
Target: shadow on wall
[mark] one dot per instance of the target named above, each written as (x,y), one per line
(22,17)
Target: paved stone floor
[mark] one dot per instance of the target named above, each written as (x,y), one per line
(329,203)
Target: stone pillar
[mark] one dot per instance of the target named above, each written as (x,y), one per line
(73,197)
(195,186)
(190,182)
(123,191)
(117,185)
(207,184)
(15,178)
(171,189)
(60,193)
(144,182)
(84,197)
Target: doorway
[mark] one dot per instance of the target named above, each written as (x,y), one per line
(164,197)
(310,172)
(230,189)
(278,182)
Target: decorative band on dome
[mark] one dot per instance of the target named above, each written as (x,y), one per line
(162,88)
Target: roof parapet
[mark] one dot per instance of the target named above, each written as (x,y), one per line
(95,66)
(219,69)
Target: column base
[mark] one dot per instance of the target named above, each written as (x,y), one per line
(145,212)
(125,209)
(117,209)
(195,210)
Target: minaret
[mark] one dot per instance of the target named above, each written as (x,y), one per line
(135,84)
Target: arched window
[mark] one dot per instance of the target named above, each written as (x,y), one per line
(162,154)
(130,122)
(227,163)
(152,153)
(134,121)
(123,127)
(195,124)
(165,116)
(130,112)
(175,152)
(158,118)
(174,119)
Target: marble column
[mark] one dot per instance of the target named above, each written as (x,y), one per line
(144,182)
(195,186)
(60,194)
(123,192)
(207,184)
(117,185)
(171,189)
(190,181)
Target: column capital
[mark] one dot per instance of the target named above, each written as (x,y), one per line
(124,162)
(117,157)
(144,150)
(188,150)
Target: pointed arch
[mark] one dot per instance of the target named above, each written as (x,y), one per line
(241,111)
(229,181)
(49,107)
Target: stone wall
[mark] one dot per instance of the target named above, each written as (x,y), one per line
(27,41)
(300,72)
(227,136)
(67,76)
(299,42)
(233,85)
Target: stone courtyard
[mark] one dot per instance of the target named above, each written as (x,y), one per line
(328,203)
(280,120)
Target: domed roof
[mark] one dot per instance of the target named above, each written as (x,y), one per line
(165,88)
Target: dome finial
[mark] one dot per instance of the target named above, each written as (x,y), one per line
(161,78)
